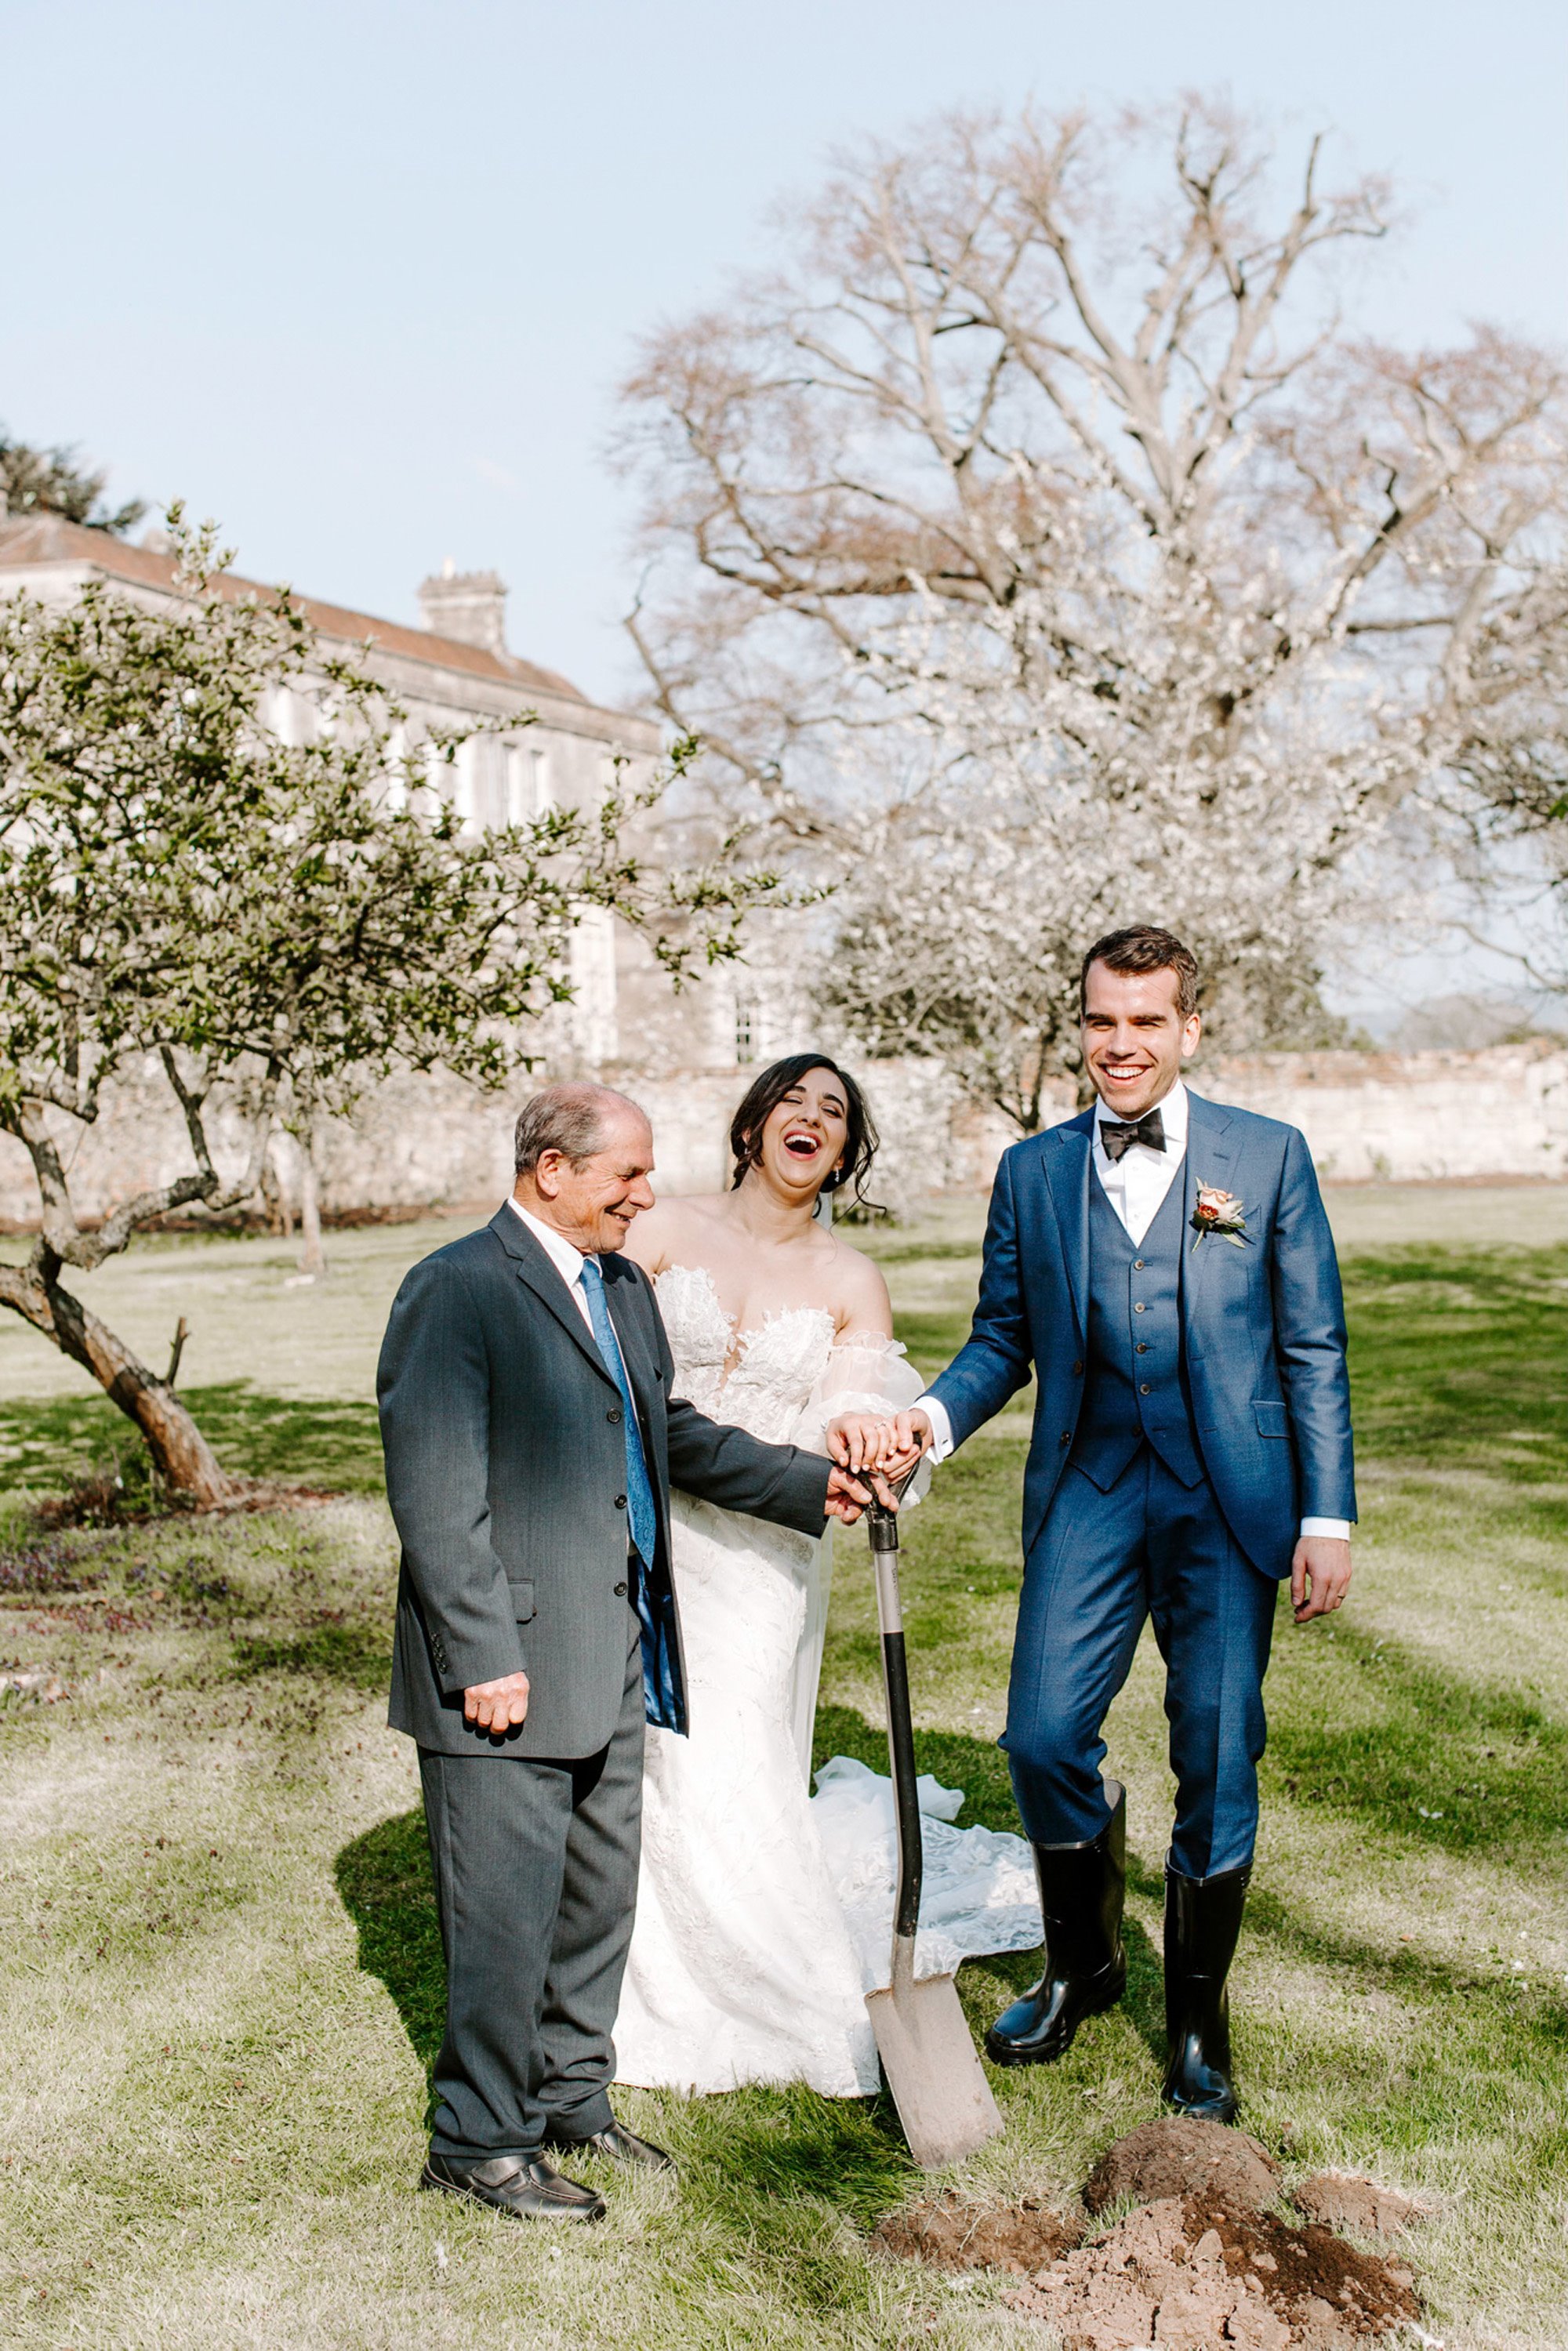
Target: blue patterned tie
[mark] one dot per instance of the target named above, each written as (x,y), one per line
(639,1492)
(664,1701)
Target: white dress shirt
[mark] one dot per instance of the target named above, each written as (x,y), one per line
(564,1255)
(1136,1186)
(1137,1183)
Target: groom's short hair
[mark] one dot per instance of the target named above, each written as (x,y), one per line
(567,1118)
(1143,948)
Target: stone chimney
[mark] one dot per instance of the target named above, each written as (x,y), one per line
(468,605)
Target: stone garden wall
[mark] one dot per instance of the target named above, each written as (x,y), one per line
(418,1143)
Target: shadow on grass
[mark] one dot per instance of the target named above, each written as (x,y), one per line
(1425,1755)
(346,1654)
(1458,1353)
(802,2154)
(330,1442)
(786,2143)
(384,1882)
(1476,2024)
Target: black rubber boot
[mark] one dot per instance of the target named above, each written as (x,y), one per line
(1082,1888)
(1203,1919)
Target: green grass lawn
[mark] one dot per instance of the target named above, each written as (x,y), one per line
(221,1980)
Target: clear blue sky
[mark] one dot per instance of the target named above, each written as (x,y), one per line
(360,280)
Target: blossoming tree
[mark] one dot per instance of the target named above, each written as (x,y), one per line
(1034,552)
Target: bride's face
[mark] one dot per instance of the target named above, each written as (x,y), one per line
(803,1136)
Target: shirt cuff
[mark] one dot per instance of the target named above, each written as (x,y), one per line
(1335,1530)
(936,1411)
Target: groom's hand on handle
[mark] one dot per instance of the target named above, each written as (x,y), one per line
(1319,1576)
(497,1706)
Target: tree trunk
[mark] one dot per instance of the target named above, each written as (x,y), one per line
(184,1459)
(279,1215)
(311,1260)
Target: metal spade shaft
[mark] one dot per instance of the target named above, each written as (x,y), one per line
(942,2099)
(884,1531)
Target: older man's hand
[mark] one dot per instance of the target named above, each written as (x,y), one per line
(497,1706)
(848,1496)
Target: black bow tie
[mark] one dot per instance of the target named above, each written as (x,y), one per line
(1149,1131)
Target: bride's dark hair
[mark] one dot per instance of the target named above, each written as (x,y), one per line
(762,1098)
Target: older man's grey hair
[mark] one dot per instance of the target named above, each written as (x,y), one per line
(570,1119)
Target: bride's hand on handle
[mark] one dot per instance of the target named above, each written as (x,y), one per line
(860,1440)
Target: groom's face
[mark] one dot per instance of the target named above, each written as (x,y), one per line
(1134,1039)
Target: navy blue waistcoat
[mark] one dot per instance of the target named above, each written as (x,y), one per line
(1135,1380)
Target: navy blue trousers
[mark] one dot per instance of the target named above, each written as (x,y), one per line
(1103,1562)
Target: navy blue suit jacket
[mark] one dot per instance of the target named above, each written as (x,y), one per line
(1263,1325)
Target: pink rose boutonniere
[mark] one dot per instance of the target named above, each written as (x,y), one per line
(1220,1213)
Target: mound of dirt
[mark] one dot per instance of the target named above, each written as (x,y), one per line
(1344,2199)
(1189,2274)
(963,2236)
(1178,2156)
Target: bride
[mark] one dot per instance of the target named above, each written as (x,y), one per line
(743,1966)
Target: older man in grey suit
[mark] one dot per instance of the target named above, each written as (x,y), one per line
(531,1440)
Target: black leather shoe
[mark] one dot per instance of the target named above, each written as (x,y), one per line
(524,2185)
(1082,1889)
(616,2145)
(1203,1919)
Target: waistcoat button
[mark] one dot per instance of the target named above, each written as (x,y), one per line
(1138,1310)
(1066,1438)
(1142,1348)
(1137,1265)
(1143,1388)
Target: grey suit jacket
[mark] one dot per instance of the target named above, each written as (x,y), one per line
(506,1467)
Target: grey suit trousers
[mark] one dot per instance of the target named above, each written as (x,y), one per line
(535,1881)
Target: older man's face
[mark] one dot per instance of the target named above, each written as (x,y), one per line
(592,1205)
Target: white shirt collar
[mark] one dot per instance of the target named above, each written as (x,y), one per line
(1173,1113)
(564,1255)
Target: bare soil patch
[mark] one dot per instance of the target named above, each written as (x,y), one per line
(1178,2156)
(1344,2199)
(1201,2264)
(957,2235)
(1187,2273)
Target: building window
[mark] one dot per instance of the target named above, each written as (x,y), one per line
(745,1031)
(519,785)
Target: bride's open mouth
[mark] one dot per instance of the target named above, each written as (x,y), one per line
(801,1146)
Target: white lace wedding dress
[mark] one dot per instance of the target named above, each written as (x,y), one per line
(764,1916)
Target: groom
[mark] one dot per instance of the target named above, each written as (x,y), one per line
(531,1439)
(1164,1267)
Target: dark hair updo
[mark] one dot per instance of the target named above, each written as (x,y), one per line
(762,1098)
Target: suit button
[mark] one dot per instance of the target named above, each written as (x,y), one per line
(1138,1310)
(1137,1265)
(1142,1348)
(1066,1438)
(621,1502)
(1077,1371)
(621,1592)
(614,1417)
(1144,1387)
